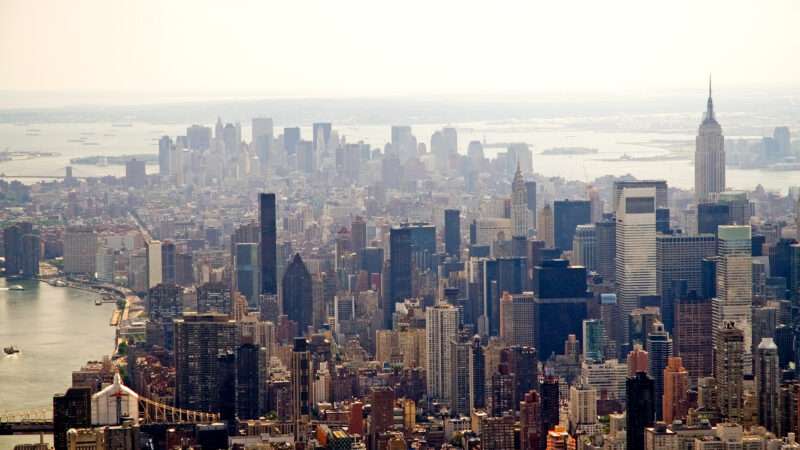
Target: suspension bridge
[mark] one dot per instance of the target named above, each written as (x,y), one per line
(150,412)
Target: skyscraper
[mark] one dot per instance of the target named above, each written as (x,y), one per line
(636,249)
(680,257)
(767,384)
(199,340)
(411,247)
(692,333)
(709,156)
(734,299)
(298,298)
(567,215)
(477,374)
(640,409)
(584,246)
(460,347)
(517,318)
(675,403)
(358,234)
(164,155)
(520,216)
(594,339)
(500,275)
(301,388)
(168,269)
(729,372)
(248,272)
(452,232)
(560,305)
(251,378)
(530,420)
(269,242)
(546,231)
(606,254)
(659,350)
(441,326)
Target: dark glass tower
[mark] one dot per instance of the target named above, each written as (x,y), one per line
(567,215)
(411,246)
(501,275)
(297,294)
(560,305)
(269,239)
(640,399)
(452,232)
(710,216)
(551,407)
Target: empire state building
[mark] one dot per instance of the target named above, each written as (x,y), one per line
(709,157)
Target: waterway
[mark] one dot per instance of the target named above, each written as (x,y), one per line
(57,329)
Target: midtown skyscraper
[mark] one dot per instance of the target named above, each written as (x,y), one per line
(709,156)
(520,216)
(269,240)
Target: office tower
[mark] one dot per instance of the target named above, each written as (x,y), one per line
(301,388)
(291,136)
(441,326)
(709,156)
(567,215)
(551,404)
(168,263)
(214,297)
(80,250)
(404,144)
(793,281)
(584,247)
(164,156)
(783,141)
(765,321)
(297,295)
(522,362)
(606,254)
(659,185)
(594,340)
(530,421)
(306,156)
(251,378)
(411,247)
(358,234)
(582,409)
(199,340)
(198,137)
(184,269)
(733,302)
(248,272)
(499,431)
(12,244)
(636,248)
(500,275)
(640,409)
(154,263)
(517,318)
(164,302)
(269,242)
(640,323)
(135,173)
(530,197)
(692,333)
(637,360)
(729,371)
(680,257)
(662,220)
(452,232)
(261,139)
(546,232)
(740,208)
(710,216)
(31,250)
(767,382)
(501,389)
(520,216)
(321,135)
(560,305)
(73,409)
(675,402)
(659,350)
(477,375)
(460,348)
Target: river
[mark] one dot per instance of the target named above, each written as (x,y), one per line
(57,329)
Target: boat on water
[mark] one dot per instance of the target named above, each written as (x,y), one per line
(10,350)
(16,287)
(98,302)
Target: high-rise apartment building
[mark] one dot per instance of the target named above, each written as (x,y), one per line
(659,350)
(441,326)
(675,401)
(199,341)
(767,379)
(80,250)
(729,372)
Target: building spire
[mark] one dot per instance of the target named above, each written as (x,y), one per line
(710,105)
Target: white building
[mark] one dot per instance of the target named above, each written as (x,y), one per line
(636,249)
(113,403)
(709,156)
(441,326)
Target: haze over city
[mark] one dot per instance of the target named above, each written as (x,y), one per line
(418,225)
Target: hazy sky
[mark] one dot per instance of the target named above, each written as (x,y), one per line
(340,48)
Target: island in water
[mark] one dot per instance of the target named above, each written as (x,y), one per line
(103,160)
